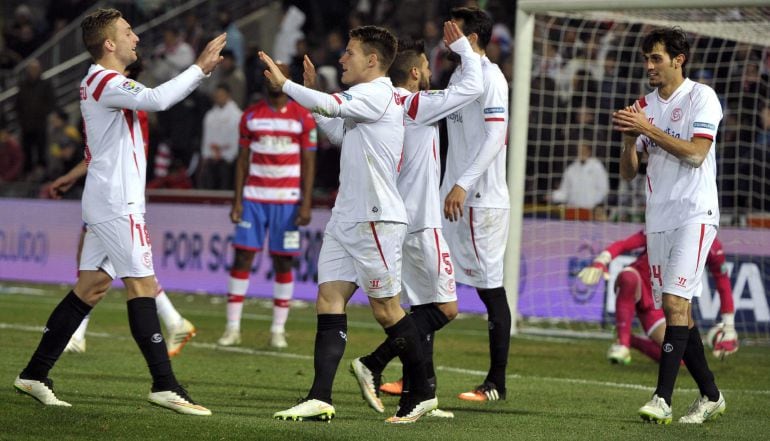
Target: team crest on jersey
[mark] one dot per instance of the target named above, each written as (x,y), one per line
(676,115)
(130,86)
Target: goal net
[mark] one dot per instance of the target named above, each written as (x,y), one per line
(586,63)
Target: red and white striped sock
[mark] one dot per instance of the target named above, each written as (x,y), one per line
(237,286)
(283,290)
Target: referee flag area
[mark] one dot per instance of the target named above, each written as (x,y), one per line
(557,388)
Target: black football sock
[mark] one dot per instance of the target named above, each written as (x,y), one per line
(377,360)
(62,323)
(406,338)
(695,359)
(429,319)
(430,371)
(145,328)
(499,321)
(330,339)
(674,345)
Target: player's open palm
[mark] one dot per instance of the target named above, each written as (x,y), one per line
(210,56)
(452,32)
(309,73)
(273,72)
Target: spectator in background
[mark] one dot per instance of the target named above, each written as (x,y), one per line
(34,102)
(192,32)
(585,182)
(219,147)
(230,74)
(21,35)
(65,148)
(172,56)
(235,42)
(285,45)
(8,59)
(11,156)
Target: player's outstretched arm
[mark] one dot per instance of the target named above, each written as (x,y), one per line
(63,183)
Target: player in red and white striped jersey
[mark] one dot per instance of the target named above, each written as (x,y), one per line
(675,126)
(117,243)
(273,196)
(633,291)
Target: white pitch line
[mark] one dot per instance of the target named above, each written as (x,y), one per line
(476,373)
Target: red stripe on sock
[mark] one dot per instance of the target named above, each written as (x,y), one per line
(287,277)
(281,303)
(234,298)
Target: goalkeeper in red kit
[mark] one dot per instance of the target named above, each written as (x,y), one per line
(633,293)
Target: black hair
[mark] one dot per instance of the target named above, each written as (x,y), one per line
(674,40)
(475,21)
(407,57)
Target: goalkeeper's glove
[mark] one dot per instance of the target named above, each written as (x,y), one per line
(590,275)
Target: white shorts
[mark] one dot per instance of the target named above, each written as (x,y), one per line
(365,253)
(121,247)
(428,273)
(478,242)
(677,259)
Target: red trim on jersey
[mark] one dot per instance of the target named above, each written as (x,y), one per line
(400,160)
(649,184)
(93,76)
(434,149)
(700,244)
(643,102)
(276,159)
(259,181)
(339,101)
(703,135)
(438,250)
(103,84)
(495,119)
(236,274)
(379,248)
(473,234)
(412,112)
(86,150)
(131,226)
(284,277)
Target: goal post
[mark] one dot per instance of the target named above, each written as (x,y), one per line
(531,233)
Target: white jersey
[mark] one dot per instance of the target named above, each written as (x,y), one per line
(679,194)
(115,150)
(367,121)
(420,169)
(477,143)
(584,184)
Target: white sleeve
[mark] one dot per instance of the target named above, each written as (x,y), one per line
(495,104)
(428,107)
(124,93)
(332,127)
(706,113)
(365,102)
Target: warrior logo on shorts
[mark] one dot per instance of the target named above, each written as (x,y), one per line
(156,338)
(668,347)
(374,284)
(676,115)
(681,281)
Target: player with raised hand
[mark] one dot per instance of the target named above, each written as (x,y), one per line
(428,272)
(362,241)
(475,195)
(633,294)
(117,243)
(675,126)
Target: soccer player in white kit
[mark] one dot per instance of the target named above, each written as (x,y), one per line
(362,241)
(117,243)
(428,273)
(475,194)
(675,127)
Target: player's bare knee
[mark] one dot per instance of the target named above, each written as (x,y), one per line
(243,259)
(449,309)
(676,309)
(387,310)
(282,264)
(140,286)
(330,300)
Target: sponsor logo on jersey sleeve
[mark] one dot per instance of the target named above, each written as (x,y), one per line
(347,96)
(130,86)
(703,125)
(432,93)
(489,110)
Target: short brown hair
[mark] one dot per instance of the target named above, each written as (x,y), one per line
(378,40)
(408,56)
(95,28)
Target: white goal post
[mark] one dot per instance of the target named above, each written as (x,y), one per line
(520,95)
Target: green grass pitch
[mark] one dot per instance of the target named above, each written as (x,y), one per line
(558,388)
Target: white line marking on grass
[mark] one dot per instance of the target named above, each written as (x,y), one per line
(472,372)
